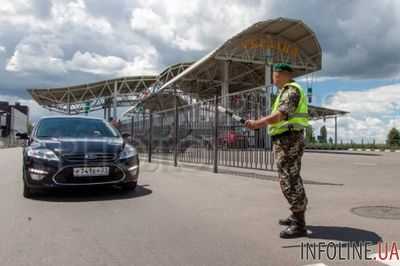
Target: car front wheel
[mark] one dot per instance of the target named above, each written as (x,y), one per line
(27,191)
(129,186)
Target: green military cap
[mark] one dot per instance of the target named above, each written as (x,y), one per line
(282,67)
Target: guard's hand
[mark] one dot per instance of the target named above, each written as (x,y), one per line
(252,124)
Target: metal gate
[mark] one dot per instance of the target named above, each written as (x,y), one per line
(200,133)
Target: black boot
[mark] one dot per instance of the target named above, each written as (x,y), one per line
(296,229)
(288,221)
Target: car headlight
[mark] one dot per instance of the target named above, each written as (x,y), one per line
(44,154)
(128,152)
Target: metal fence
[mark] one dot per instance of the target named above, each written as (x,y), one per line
(200,133)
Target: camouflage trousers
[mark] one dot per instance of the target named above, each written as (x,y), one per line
(288,151)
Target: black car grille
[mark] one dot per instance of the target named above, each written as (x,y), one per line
(90,157)
(66,177)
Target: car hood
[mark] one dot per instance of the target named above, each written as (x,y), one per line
(78,145)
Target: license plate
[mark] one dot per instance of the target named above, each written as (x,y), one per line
(91,171)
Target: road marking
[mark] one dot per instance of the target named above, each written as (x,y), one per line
(365,164)
(393,262)
(373,150)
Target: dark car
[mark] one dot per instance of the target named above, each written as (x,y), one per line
(77,151)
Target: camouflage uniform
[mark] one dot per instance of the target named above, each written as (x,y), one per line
(289,148)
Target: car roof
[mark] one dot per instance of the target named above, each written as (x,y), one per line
(71,117)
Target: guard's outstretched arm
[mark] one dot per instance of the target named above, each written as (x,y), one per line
(264,121)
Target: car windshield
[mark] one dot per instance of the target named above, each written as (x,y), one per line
(75,128)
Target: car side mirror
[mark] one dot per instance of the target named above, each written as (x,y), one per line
(22,136)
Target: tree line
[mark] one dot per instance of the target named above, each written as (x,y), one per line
(393,137)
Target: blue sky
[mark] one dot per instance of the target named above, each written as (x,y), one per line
(323,89)
(51,43)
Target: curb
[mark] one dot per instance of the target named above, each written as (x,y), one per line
(374,150)
(363,150)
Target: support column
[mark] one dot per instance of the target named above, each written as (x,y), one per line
(196,111)
(115,100)
(69,102)
(225,101)
(216,134)
(109,110)
(268,95)
(150,132)
(176,128)
(225,85)
(190,112)
(335,131)
(132,127)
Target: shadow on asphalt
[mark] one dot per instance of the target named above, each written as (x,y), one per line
(344,234)
(85,194)
(248,174)
(275,178)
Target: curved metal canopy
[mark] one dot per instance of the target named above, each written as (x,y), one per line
(129,90)
(317,112)
(247,54)
(264,43)
(73,99)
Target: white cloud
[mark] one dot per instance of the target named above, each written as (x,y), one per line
(377,101)
(37,53)
(372,114)
(195,25)
(70,40)
(27,63)
(14,7)
(74,14)
(96,64)
(151,24)
(111,65)
(19,13)
(144,63)
(178,29)
(2,49)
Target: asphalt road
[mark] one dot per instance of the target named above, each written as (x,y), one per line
(186,216)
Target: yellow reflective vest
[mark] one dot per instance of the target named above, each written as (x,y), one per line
(297,120)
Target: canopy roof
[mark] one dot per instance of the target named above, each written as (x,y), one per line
(317,112)
(73,98)
(247,53)
(266,42)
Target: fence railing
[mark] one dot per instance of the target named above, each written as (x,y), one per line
(200,133)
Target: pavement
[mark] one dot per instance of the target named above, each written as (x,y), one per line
(190,216)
